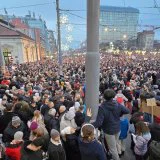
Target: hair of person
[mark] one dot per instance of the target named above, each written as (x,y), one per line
(109,94)
(88,132)
(141,128)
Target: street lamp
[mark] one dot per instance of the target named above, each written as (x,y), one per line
(106,29)
(124,36)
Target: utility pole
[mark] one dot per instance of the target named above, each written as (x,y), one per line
(59,36)
(2,61)
(92,65)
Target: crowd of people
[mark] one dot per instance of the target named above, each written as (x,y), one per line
(43,115)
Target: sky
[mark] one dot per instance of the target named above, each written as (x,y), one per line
(48,12)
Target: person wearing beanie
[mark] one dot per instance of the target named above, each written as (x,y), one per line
(7,117)
(155,129)
(108,119)
(13,149)
(55,148)
(15,125)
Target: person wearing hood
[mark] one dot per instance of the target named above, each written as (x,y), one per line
(13,149)
(108,119)
(68,120)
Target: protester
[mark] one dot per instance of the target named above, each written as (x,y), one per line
(55,148)
(89,146)
(141,140)
(109,119)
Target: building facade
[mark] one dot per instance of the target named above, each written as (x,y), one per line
(118,23)
(35,28)
(145,40)
(16,46)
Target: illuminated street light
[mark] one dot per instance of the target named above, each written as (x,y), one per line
(106,29)
(124,36)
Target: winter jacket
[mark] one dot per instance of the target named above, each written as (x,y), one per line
(27,154)
(108,118)
(93,150)
(124,128)
(72,147)
(13,151)
(67,121)
(51,122)
(56,152)
(155,131)
(141,144)
(5,119)
(9,132)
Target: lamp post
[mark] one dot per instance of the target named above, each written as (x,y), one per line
(2,61)
(92,64)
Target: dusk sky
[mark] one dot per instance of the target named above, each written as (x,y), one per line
(148,16)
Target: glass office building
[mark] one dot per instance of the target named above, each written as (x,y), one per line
(118,23)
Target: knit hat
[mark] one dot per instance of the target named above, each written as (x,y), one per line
(54,133)
(33,126)
(18,136)
(16,121)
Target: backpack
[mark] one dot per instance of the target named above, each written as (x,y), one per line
(154,150)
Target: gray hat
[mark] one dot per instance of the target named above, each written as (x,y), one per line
(54,133)
(16,121)
(18,136)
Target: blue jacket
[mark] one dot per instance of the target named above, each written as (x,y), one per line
(108,118)
(91,151)
(124,123)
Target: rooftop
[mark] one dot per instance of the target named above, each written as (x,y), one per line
(119,9)
(6,31)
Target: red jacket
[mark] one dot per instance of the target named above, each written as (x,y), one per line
(13,151)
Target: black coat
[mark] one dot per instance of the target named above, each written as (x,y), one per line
(5,119)
(9,132)
(27,154)
(72,147)
(155,131)
(56,152)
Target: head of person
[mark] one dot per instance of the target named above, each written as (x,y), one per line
(141,128)
(36,144)
(16,121)
(52,112)
(88,132)
(55,135)
(51,103)
(62,109)
(109,94)
(9,107)
(18,137)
